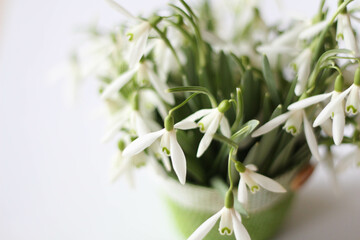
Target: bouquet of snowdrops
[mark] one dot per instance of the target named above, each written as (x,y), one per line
(211,91)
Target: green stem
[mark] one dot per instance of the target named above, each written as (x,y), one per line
(229,170)
(226,140)
(197,89)
(182,104)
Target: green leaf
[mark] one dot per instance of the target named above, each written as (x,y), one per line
(226,140)
(225,81)
(290,95)
(267,144)
(281,161)
(251,89)
(252,154)
(245,130)
(222,188)
(239,109)
(270,81)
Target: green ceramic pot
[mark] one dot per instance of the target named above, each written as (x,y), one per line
(190,205)
(261,225)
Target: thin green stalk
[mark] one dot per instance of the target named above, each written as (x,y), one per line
(183,103)
(197,89)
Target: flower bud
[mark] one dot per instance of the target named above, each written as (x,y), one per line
(339,83)
(357,77)
(224,106)
(229,199)
(169,123)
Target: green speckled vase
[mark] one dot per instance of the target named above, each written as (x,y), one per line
(261,225)
(190,205)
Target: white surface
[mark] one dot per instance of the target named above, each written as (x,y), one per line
(53,170)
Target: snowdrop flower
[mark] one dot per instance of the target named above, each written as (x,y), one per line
(145,73)
(302,65)
(353,102)
(294,119)
(210,121)
(344,31)
(169,144)
(164,58)
(335,110)
(138,34)
(125,165)
(230,221)
(253,180)
(130,116)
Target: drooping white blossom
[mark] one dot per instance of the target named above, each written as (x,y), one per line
(169,146)
(121,165)
(210,120)
(230,221)
(335,110)
(353,102)
(145,73)
(254,181)
(294,119)
(138,34)
(344,31)
(302,64)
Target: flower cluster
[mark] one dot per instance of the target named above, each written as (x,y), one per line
(182,93)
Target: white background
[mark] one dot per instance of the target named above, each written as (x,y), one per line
(53,169)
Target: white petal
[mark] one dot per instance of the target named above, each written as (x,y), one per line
(289,37)
(112,131)
(140,126)
(309,101)
(340,27)
(199,114)
(353,101)
(303,72)
(208,136)
(150,96)
(137,49)
(226,224)
(118,166)
(240,231)
(326,112)
(327,127)
(160,87)
(178,158)
(294,122)
(118,83)
(205,228)
(165,143)
(350,41)
(252,167)
(166,162)
(225,127)
(185,125)
(242,192)
(267,183)
(274,49)
(313,30)
(338,125)
(311,139)
(267,127)
(206,121)
(141,143)
(122,10)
